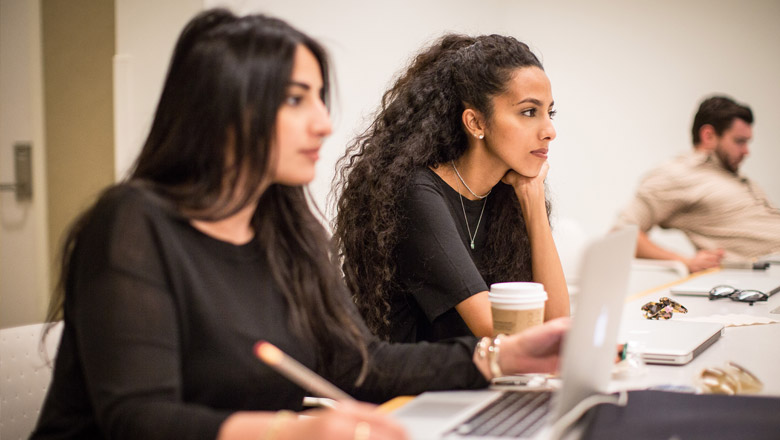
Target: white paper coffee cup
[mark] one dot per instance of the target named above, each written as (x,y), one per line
(516,306)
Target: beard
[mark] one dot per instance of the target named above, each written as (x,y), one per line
(727,162)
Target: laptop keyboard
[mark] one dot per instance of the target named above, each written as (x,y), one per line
(516,414)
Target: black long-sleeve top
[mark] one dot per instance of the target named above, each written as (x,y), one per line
(160,324)
(437,268)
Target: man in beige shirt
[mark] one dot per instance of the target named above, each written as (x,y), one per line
(724,214)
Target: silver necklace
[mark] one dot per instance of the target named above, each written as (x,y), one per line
(462,206)
(464,182)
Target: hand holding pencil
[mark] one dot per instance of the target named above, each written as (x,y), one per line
(349,420)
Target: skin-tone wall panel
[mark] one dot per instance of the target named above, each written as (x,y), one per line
(78,48)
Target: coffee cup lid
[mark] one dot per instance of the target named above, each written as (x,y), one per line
(517,292)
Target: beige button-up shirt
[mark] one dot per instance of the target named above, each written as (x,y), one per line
(712,206)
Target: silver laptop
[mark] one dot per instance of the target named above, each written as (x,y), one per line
(700,286)
(587,359)
(769,258)
(670,342)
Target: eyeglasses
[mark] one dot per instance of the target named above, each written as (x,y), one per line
(748,296)
(730,379)
(662,309)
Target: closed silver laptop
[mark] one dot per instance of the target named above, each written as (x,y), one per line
(672,342)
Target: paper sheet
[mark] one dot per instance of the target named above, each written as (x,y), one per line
(731,320)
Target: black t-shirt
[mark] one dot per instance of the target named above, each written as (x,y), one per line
(436,267)
(160,324)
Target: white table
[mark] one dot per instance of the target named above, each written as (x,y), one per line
(756,347)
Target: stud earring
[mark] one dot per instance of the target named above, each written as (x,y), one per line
(482,136)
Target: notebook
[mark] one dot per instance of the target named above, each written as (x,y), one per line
(670,342)
(766,282)
(586,364)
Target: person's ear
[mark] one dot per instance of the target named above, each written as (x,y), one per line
(708,137)
(474,123)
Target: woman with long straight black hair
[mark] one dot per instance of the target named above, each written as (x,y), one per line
(170,279)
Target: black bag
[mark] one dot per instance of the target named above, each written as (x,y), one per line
(663,415)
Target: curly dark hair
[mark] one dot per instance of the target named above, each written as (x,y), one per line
(419,125)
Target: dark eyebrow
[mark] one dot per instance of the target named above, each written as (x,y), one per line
(533,101)
(299,84)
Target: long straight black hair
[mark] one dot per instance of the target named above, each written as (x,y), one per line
(210,146)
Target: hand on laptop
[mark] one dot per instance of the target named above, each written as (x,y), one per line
(535,350)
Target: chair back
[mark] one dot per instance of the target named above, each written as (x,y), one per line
(24,377)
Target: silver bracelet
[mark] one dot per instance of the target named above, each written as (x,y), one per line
(482,348)
(493,352)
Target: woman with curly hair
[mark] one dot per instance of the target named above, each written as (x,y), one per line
(444,193)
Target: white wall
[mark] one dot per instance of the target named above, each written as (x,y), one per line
(146,31)
(627,81)
(24,258)
(627,77)
(369,42)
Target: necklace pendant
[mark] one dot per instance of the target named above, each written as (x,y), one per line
(472,245)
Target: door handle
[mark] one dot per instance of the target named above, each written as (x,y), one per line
(23,170)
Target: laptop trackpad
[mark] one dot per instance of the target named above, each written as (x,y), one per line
(437,412)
